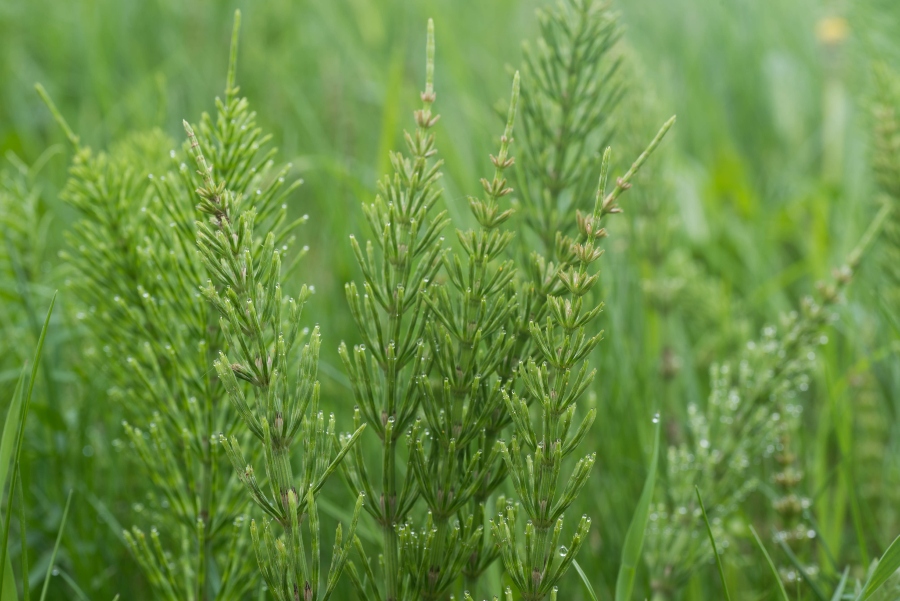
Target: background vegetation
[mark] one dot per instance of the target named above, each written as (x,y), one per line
(763,187)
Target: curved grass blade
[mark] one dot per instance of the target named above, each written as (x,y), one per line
(712,541)
(80,594)
(887,565)
(8,440)
(8,590)
(59,535)
(634,538)
(798,565)
(839,591)
(584,579)
(15,451)
(26,573)
(759,542)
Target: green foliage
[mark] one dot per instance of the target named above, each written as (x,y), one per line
(637,529)
(570,92)
(263,328)
(534,457)
(11,442)
(179,318)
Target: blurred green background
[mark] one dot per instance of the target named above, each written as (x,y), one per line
(762,187)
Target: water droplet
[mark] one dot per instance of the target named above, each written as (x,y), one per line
(563,551)
(656,418)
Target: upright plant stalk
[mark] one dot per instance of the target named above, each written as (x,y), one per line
(792,530)
(569,93)
(156,336)
(740,422)
(456,459)
(876,468)
(398,268)
(262,328)
(886,162)
(534,457)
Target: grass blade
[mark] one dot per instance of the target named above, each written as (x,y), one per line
(887,565)
(6,573)
(634,538)
(26,573)
(59,535)
(712,541)
(74,586)
(798,565)
(759,542)
(839,591)
(8,441)
(8,592)
(584,579)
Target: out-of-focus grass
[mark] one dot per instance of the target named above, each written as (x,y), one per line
(764,186)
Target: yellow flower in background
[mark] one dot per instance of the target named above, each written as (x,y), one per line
(832,30)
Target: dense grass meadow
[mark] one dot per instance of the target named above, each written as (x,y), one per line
(749,283)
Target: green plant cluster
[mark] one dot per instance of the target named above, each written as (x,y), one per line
(458,418)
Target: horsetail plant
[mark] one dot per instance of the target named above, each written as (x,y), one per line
(568,98)
(749,400)
(886,163)
(24,221)
(147,330)
(262,328)
(793,534)
(138,272)
(569,95)
(554,383)
(876,465)
(470,340)
(398,268)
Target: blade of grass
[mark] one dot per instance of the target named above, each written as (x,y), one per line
(584,579)
(26,589)
(59,535)
(839,591)
(887,565)
(22,417)
(74,586)
(759,542)
(712,541)
(811,520)
(634,538)
(8,590)
(7,442)
(802,570)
